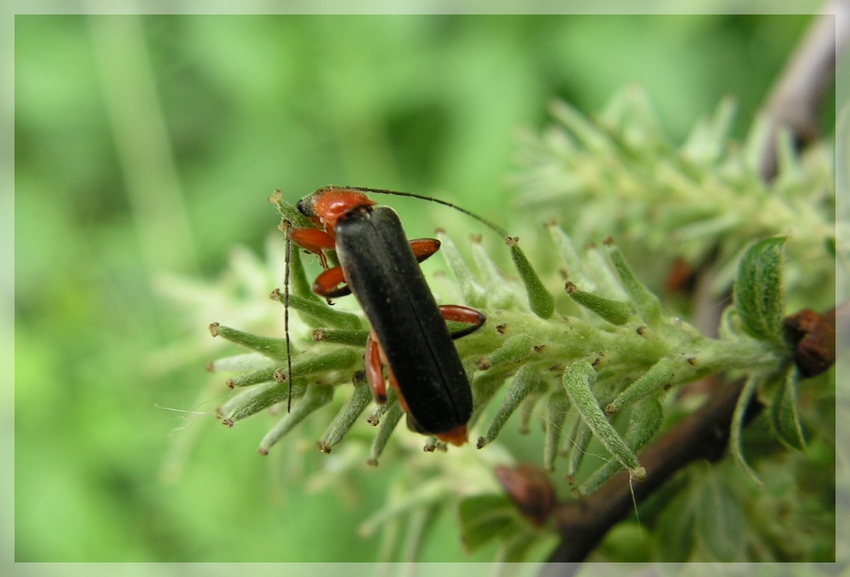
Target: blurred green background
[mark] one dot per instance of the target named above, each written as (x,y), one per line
(148,145)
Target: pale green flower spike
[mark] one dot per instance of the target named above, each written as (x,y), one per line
(345,418)
(540,301)
(578,382)
(597,362)
(315,398)
(645,421)
(557,406)
(703,198)
(525,382)
(388,423)
(473,294)
(637,351)
(593,363)
(615,312)
(579,441)
(499,295)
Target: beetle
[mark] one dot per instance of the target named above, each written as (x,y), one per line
(380,267)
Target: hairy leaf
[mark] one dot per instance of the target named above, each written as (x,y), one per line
(785,411)
(759,296)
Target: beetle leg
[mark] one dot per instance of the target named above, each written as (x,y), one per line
(327,284)
(424,247)
(394,385)
(375,369)
(375,375)
(462,314)
(313,240)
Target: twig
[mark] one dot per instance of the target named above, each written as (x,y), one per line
(798,93)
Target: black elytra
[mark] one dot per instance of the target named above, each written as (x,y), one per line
(382,272)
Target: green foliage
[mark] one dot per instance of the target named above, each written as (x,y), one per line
(657,350)
(759,295)
(540,300)
(785,410)
(699,200)
(626,355)
(143,149)
(487,517)
(719,525)
(578,381)
(636,357)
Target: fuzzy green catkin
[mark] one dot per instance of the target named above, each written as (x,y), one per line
(241,362)
(557,406)
(252,378)
(585,131)
(575,270)
(540,301)
(484,387)
(648,305)
(615,312)
(656,378)
(579,441)
(341,337)
(388,424)
(316,397)
(257,398)
(383,408)
(499,294)
(515,349)
(645,420)
(527,407)
(525,381)
(473,294)
(298,282)
(598,267)
(333,360)
(318,313)
(270,347)
(346,418)
(577,380)
(289,211)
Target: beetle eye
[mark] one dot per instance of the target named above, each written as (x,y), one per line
(305,207)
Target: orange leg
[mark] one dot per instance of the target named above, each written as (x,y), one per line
(327,284)
(462,314)
(375,374)
(394,384)
(424,247)
(375,369)
(313,240)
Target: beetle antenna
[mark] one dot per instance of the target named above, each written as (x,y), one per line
(287,259)
(499,230)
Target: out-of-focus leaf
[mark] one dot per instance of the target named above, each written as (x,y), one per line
(516,549)
(485,518)
(719,520)
(676,527)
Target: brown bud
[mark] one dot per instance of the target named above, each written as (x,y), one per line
(530,489)
(813,337)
